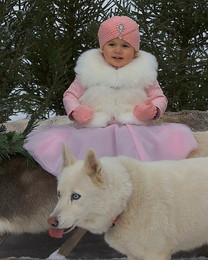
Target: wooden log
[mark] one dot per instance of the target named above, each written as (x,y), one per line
(72,241)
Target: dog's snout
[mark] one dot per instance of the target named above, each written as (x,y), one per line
(53,221)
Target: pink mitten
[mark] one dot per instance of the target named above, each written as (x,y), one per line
(82,114)
(145,111)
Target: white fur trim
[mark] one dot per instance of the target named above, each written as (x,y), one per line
(112,93)
(93,70)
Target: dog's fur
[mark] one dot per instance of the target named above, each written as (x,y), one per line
(162,207)
(28,196)
(202,141)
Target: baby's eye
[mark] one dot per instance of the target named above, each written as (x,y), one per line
(125,45)
(111,44)
(75,196)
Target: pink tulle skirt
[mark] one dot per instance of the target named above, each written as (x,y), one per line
(145,143)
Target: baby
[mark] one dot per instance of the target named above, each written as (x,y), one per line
(113,103)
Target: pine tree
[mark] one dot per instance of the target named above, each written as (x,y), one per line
(47,38)
(176,33)
(41,41)
(10,64)
(11,144)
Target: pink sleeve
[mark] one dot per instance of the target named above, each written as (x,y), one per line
(71,96)
(158,98)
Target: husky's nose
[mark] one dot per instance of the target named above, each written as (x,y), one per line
(53,221)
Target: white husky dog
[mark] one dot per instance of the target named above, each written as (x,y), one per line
(147,210)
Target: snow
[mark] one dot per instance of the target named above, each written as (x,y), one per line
(56,256)
(17,117)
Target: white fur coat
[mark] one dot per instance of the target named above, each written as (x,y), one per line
(112,93)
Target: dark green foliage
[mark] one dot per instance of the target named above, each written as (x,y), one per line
(11,144)
(176,33)
(40,42)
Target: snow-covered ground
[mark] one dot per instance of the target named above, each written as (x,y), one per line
(56,256)
(17,117)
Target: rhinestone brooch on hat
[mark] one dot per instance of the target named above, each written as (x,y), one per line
(121,28)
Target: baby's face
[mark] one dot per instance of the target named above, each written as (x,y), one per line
(118,53)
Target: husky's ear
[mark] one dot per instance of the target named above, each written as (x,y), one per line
(94,168)
(68,158)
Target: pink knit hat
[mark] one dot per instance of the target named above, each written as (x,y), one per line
(121,27)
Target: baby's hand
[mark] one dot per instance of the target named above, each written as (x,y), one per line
(82,114)
(145,111)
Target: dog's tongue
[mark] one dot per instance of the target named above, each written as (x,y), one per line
(57,233)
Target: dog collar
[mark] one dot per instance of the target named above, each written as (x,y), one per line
(114,221)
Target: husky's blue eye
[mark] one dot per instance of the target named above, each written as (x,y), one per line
(75,196)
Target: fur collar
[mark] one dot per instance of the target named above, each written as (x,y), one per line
(92,70)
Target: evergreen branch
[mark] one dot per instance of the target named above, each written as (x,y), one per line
(11,144)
